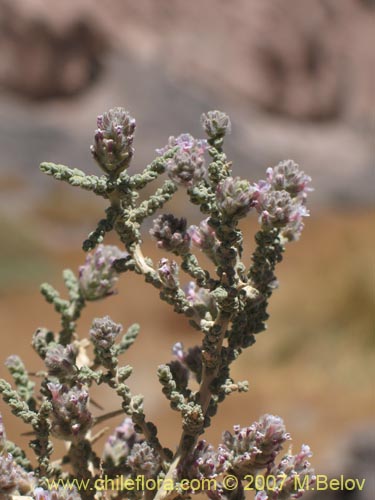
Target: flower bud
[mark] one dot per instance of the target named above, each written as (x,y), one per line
(216,123)
(104,332)
(277,208)
(114,136)
(289,473)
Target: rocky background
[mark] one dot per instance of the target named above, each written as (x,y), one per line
(297,78)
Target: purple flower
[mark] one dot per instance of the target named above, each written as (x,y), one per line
(290,473)
(281,199)
(71,418)
(204,237)
(187,166)
(168,273)
(203,463)
(120,443)
(113,148)
(13,479)
(104,332)
(287,176)
(170,233)
(216,123)
(61,360)
(201,300)
(278,209)
(252,448)
(143,460)
(235,197)
(97,276)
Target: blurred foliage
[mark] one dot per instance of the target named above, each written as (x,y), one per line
(24,260)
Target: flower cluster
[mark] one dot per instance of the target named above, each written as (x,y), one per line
(71,417)
(204,237)
(13,478)
(171,234)
(282,198)
(113,148)
(97,277)
(255,447)
(216,123)
(187,166)
(120,444)
(61,361)
(204,463)
(235,197)
(290,468)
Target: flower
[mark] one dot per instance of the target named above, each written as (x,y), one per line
(235,197)
(282,198)
(113,138)
(13,479)
(170,233)
(216,123)
(187,166)
(288,475)
(255,447)
(143,460)
(120,443)
(201,300)
(61,360)
(204,238)
(104,332)
(71,418)
(97,277)
(168,273)
(203,463)
(287,176)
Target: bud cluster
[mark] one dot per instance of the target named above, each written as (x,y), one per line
(71,417)
(171,234)
(113,146)
(282,199)
(187,166)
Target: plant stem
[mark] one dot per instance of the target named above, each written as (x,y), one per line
(188,441)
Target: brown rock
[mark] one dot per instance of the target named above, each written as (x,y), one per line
(48,51)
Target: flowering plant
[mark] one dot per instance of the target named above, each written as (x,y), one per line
(229,308)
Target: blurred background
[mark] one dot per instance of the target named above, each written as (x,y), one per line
(297,79)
